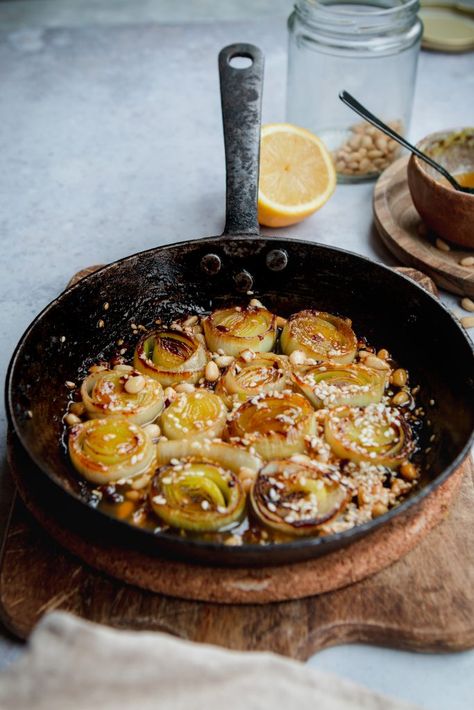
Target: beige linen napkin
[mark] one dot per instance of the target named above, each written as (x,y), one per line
(72,664)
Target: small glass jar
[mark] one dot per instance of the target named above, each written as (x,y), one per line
(367,47)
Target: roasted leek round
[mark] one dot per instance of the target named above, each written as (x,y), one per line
(107,450)
(320,336)
(231,456)
(332,385)
(276,425)
(171,356)
(295,498)
(235,329)
(376,434)
(243,379)
(194,415)
(103,394)
(197,495)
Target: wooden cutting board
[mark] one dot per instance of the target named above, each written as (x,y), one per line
(424,601)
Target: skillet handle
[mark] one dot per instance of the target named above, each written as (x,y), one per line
(241,99)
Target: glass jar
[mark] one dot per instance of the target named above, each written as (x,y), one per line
(370,49)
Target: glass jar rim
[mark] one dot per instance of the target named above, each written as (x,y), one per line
(335,18)
(328,6)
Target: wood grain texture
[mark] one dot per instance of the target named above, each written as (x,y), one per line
(424,602)
(401,230)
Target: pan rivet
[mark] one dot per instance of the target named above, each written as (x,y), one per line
(211,264)
(243,281)
(277,259)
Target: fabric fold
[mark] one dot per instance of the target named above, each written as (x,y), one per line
(71,664)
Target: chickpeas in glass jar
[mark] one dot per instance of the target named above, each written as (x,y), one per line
(370,49)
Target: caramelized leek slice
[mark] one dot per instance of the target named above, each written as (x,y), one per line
(266,372)
(197,495)
(377,434)
(230,456)
(321,336)
(236,329)
(294,498)
(332,385)
(195,415)
(275,425)
(106,450)
(171,356)
(104,395)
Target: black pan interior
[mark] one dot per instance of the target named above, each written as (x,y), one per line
(170,281)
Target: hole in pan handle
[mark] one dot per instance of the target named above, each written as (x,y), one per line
(241,99)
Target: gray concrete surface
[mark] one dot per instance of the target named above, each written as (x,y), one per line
(80,13)
(111,142)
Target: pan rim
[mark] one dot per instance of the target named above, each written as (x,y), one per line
(244,550)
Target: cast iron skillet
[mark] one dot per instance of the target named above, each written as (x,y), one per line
(196,276)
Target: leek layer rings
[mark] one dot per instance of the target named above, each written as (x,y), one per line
(195,415)
(197,495)
(229,456)
(106,450)
(275,425)
(266,372)
(104,395)
(236,329)
(171,356)
(294,498)
(332,385)
(320,336)
(377,434)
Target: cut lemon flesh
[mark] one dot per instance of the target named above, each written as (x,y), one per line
(297,175)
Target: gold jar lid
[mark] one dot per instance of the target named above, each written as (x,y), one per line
(447,27)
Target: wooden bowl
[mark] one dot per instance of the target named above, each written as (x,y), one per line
(446,211)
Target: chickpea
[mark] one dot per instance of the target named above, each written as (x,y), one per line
(212,371)
(77,408)
(71,419)
(401,398)
(134,385)
(185,387)
(408,471)
(379,509)
(399,377)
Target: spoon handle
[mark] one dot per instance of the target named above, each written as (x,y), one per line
(350,101)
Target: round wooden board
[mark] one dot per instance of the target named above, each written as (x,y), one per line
(236,585)
(403,232)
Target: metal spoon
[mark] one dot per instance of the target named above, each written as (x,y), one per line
(362,111)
